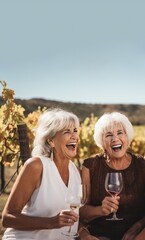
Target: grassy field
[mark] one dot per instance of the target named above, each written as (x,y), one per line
(9,171)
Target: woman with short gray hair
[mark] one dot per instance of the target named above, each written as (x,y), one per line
(113,133)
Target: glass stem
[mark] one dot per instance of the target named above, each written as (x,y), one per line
(69,229)
(114,215)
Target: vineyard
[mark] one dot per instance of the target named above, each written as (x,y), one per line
(12,119)
(12,116)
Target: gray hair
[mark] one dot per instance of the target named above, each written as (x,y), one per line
(49,123)
(108,119)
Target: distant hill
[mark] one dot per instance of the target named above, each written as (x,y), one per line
(135,112)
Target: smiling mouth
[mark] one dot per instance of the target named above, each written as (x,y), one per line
(72,145)
(117,147)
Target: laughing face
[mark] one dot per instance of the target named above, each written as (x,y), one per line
(115,141)
(65,143)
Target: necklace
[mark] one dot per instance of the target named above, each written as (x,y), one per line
(119,164)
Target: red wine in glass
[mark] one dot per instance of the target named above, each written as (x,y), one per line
(114,185)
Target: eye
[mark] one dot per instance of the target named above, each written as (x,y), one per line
(108,135)
(120,132)
(66,131)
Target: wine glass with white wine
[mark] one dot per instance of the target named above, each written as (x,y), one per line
(114,185)
(76,197)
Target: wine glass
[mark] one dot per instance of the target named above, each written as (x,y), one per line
(114,185)
(76,197)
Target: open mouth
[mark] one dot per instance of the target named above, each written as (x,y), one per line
(71,145)
(117,147)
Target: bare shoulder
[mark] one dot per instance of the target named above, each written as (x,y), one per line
(33,163)
(31,171)
(33,167)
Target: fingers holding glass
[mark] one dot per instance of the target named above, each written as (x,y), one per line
(76,197)
(114,185)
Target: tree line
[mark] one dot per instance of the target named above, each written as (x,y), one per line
(17,126)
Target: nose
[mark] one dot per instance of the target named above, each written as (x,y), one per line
(114,137)
(74,135)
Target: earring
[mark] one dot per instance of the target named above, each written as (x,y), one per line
(107,157)
(51,154)
(104,154)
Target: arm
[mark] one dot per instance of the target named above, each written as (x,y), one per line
(89,212)
(27,181)
(84,233)
(135,230)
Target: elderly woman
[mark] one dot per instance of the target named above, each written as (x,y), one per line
(34,207)
(114,133)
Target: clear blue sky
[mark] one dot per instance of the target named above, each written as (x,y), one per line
(89,51)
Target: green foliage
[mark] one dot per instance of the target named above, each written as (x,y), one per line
(12,114)
(138,143)
(87,146)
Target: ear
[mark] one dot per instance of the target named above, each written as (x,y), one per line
(50,142)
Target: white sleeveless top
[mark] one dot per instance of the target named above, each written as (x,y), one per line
(47,201)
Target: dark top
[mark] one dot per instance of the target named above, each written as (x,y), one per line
(132,197)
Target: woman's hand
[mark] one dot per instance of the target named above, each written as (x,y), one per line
(132,232)
(109,205)
(64,218)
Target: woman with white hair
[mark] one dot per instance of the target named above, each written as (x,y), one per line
(34,207)
(114,134)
